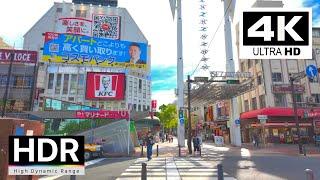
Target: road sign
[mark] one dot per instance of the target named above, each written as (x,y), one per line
(262,117)
(237,121)
(201,79)
(311,71)
(181,120)
(233,81)
(215,74)
(180,114)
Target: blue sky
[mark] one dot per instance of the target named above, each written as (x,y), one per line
(160,30)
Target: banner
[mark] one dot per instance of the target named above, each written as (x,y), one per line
(102,114)
(19,56)
(102,85)
(105,26)
(85,50)
(74,26)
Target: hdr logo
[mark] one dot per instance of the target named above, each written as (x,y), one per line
(46,155)
(276,34)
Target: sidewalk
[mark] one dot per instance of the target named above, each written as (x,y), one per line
(286,149)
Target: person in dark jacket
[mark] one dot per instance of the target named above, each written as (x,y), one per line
(196,143)
(150,142)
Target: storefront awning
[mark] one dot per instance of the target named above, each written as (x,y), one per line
(272,112)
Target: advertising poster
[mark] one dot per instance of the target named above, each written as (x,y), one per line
(105,85)
(105,26)
(85,50)
(74,26)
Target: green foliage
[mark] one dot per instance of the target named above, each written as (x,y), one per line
(168,116)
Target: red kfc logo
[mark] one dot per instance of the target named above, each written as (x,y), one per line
(105,85)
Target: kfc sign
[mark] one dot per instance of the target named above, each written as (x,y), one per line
(105,85)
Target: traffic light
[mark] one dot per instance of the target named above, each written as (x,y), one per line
(233,81)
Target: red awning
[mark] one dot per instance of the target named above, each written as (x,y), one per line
(273,112)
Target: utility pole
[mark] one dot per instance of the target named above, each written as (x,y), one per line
(5,96)
(189,116)
(295,111)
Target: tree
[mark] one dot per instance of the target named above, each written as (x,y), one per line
(168,116)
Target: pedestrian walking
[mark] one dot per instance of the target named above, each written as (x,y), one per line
(196,144)
(150,143)
(255,140)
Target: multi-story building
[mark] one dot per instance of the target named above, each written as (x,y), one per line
(272,97)
(67,82)
(19,90)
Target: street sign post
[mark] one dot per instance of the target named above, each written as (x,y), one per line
(311,71)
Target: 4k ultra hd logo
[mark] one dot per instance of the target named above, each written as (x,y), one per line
(46,155)
(276,34)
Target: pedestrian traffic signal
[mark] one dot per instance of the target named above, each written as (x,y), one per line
(233,81)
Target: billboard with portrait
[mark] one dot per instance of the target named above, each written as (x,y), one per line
(102,85)
(85,50)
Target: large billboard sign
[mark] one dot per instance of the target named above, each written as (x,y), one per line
(275,33)
(102,85)
(19,56)
(46,155)
(85,50)
(74,26)
(105,26)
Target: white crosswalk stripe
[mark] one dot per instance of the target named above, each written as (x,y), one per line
(173,168)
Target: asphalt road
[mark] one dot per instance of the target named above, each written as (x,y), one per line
(108,169)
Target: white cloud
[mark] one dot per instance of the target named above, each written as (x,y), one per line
(164,97)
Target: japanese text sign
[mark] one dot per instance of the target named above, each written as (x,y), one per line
(102,114)
(74,26)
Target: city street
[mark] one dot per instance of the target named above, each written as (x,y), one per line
(238,163)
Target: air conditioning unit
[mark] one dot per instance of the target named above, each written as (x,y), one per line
(310,99)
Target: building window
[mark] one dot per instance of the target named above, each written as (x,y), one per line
(81,13)
(140,85)
(298,97)
(73,84)
(59,10)
(123,105)
(242,67)
(139,107)
(246,105)
(81,80)
(50,81)
(134,107)
(313,80)
(259,79)
(262,101)
(249,64)
(65,84)
(254,103)
(277,77)
(280,100)
(28,81)
(18,81)
(58,85)
(316,98)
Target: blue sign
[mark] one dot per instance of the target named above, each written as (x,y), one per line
(19,131)
(311,71)
(181,120)
(237,121)
(180,114)
(85,50)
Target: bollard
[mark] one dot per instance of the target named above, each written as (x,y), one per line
(220,171)
(141,151)
(72,177)
(309,174)
(157,150)
(304,150)
(179,151)
(144,171)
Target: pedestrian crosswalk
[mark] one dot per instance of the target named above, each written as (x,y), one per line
(172,168)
